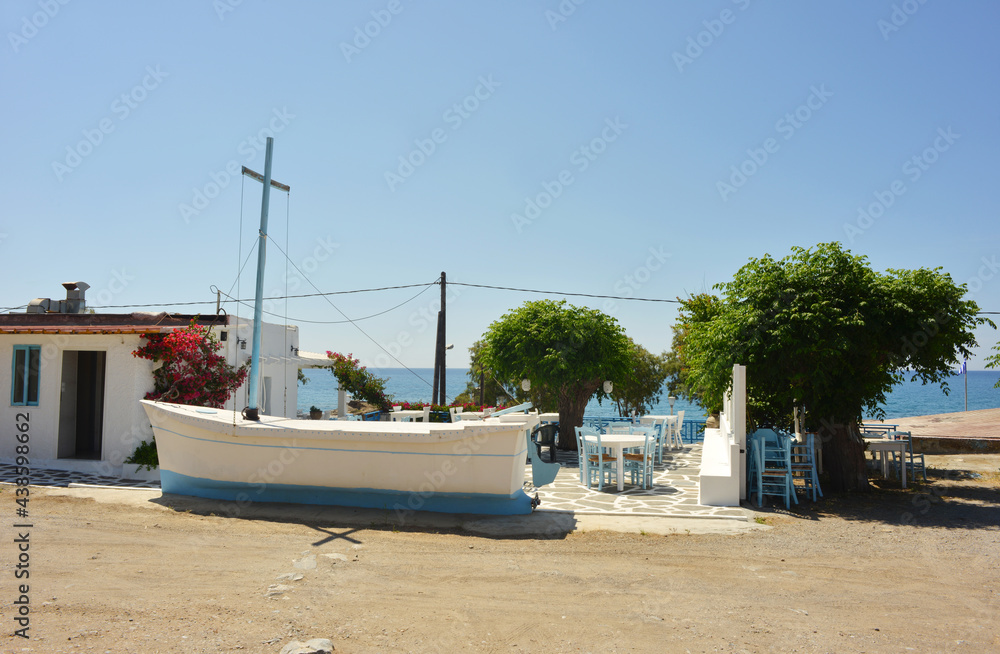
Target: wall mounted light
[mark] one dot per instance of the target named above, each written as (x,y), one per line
(526,384)
(608,386)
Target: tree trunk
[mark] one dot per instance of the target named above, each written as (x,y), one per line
(572,403)
(844,456)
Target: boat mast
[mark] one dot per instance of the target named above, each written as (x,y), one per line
(251,412)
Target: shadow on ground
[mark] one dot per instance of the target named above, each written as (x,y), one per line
(950,499)
(335,522)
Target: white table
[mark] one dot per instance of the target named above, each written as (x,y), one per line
(618,443)
(883,446)
(670,428)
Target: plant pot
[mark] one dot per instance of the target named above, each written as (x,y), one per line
(316,415)
(135,472)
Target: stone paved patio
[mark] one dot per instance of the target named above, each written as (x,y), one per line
(63,478)
(674,492)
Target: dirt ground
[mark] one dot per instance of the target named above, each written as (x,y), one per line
(892,571)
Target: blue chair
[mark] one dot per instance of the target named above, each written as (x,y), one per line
(640,464)
(916,461)
(773,466)
(581,452)
(804,465)
(595,463)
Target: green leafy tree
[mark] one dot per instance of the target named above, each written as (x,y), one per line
(639,390)
(479,376)
(993,361)
(358,381)
(566,352)
(696,310)
(821,329)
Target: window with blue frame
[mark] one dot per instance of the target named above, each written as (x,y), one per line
(24,386)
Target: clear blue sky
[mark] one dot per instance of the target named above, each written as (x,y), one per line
(625,122)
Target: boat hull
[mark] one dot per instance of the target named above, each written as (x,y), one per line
(472,467)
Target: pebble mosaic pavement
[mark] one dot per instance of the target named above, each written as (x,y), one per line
(63,478)
(674,492)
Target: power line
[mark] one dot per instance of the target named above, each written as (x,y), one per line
(531,290)
(336,322)
(400,286)
(326,297)
(248,300)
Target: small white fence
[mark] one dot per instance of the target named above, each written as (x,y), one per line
(722,478)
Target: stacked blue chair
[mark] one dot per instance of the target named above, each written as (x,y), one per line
(773,466)
(804,465)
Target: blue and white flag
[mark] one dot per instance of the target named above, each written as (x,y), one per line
(962,368)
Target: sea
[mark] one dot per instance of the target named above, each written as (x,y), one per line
(910,398)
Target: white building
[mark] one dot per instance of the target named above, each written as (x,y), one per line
(75,385)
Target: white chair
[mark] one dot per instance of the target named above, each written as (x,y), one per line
(678,429)
(427,413)
(456,413)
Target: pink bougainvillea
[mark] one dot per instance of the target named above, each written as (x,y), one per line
(358,381)
(193,372)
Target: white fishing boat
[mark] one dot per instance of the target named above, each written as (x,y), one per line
(463,467)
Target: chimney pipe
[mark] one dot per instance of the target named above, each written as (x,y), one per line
(75,301)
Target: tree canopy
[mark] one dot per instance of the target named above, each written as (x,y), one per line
(993,361)
(483,385)
(638,391)
(821,329)
(566,352)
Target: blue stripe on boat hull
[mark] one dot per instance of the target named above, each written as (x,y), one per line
(517,503)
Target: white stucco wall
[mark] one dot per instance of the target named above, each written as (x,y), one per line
(127,380)
(276,346)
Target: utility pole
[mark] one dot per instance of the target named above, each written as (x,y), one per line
(438,386)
